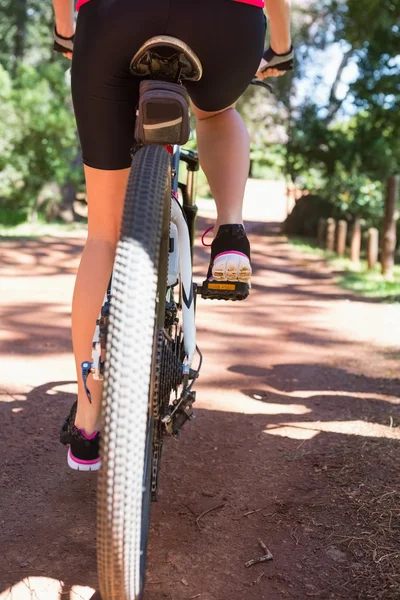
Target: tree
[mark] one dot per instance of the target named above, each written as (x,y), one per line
(39,127)
(343,127)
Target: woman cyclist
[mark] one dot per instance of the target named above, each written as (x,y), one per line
(228,37)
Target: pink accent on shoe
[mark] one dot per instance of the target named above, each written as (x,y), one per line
(88,437)
(204,235)
(83,462)
(231,252)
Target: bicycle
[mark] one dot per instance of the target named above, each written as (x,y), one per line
(144,345)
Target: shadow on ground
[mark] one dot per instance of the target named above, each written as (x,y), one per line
(307,510)
(296,443)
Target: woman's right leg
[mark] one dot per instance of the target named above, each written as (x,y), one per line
(224,153)
(230,61)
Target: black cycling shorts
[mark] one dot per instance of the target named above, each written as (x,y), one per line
(227,36)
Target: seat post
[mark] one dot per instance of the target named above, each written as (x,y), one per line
(188,190)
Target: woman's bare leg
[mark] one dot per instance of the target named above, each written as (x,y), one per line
(224,153)
(106,193)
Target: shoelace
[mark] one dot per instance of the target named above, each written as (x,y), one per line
(204,235)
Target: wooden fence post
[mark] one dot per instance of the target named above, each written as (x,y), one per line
(356,242)
(341,238)
(372,247)
(389,226)
(330,234)
(321,233)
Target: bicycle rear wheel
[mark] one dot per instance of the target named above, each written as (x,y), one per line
(137,313)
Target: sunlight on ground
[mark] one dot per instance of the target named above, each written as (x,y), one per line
(64,388)
(8,397)
(365,323)
(44,588)
(309,394)
(236,402)
(291,432)
(240,403)
(27,372)
(12,335)
(308,430)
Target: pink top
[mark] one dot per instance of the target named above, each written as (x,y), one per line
(259,3)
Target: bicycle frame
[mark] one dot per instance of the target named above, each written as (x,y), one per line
(188,189)
(184,220)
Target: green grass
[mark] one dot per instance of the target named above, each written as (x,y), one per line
(306,245)
(356,278)
(371,283)
(40,229)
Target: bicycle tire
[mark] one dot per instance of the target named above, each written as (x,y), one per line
(136,315)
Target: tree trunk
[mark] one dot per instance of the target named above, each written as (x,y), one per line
(65,209)
(389,226)
(341,238)
(356,242)
(251,168)
(330,234)
(21,19)
(373,247)
(321,233)
(290,197)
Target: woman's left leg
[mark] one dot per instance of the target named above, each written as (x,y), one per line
(106,193)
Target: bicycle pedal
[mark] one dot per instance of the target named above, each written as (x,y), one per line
(224,290)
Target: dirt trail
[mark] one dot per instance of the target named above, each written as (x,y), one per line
(296,441)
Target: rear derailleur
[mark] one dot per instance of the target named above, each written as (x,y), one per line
(179,412)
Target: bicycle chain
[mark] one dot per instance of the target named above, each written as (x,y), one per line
(168,377)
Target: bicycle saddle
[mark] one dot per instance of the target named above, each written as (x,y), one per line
(164,55)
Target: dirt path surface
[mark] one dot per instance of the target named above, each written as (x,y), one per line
(296,441)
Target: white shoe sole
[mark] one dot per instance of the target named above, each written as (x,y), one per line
(232,267)
(77,466)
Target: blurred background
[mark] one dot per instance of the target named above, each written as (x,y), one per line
(330,131)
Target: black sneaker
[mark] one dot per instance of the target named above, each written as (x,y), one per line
(230,255)
(83,453)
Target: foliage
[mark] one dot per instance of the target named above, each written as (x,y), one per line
(40,141)
(343,136)
(303,220)
(332,127)
(371,283)
(347,196)
(10,135)
(356,278)
(356,196)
